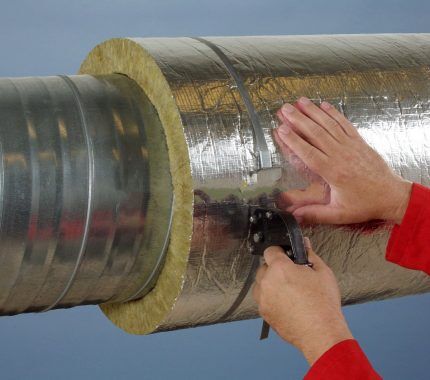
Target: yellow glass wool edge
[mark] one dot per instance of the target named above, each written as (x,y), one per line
(128,57)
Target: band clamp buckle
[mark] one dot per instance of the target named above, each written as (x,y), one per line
(269,227)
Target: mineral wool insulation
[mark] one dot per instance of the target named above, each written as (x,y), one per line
(380,82)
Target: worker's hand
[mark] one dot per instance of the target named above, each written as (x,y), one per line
(300,303)
(353,183)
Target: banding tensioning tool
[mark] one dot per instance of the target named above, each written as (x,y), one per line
(268,226)
(272,227)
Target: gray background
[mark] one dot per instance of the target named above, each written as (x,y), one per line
(52,37)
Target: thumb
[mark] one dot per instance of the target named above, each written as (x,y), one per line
(275,253)
(292,200)
(317,214)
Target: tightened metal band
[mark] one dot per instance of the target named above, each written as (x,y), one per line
(245,289)
(265,159)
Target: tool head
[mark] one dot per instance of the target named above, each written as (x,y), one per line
(273,227)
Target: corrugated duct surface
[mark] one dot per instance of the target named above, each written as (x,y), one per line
(84,211)
(381,83)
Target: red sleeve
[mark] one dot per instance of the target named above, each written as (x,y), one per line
(345,360)
(409,244)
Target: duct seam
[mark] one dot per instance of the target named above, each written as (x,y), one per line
(89,145)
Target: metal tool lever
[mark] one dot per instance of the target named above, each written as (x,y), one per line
(269,227)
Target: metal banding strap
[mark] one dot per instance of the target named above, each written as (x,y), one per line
(245,289)
(90,152)
(265,159)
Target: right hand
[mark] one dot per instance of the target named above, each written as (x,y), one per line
(357,184)
(302,304)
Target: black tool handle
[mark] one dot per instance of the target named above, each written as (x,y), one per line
(269,227)
(274,227)
(297,244)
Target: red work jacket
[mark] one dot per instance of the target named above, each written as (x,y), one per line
(408,246)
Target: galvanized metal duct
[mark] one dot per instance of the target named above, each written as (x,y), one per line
(77,208)
(215,100)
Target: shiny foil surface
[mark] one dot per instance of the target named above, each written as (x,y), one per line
(380,82)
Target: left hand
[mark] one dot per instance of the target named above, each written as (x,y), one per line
(351,183)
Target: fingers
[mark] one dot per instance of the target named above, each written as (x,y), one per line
(260,273)
(322,118)
(311,156)
(256,292)
(275,253)
(315,193)
(313,132)
(318,214)
(317,262)
(349,129)
(293,159)
(308,244)
(285,150)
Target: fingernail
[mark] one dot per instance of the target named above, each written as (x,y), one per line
(284,129)
(299,218)
(304,100)
(326,105)
(288,108)
(307,242)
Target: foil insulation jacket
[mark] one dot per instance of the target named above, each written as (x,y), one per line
(380,82)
